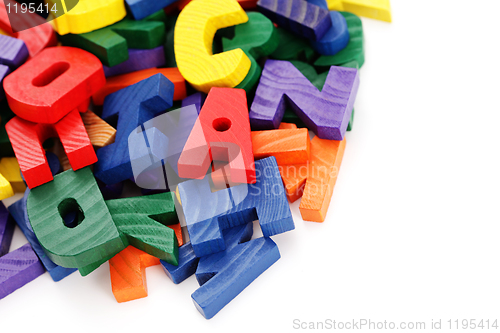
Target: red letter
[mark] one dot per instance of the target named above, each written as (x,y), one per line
(27,138)
(54,83)
(222,132)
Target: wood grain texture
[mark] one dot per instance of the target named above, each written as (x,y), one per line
(38,37)
(54,83)
(143,221)
(18,268)
(336,38)
(318,80)
(100,132)
(142,8)
(288,146)
(257,38)
(128,274)
(94,238)
(299,16)
(233,273)
(27,139)
(207,213)
(111,44)
(115,83)
(194,33)
(27,145)
(375,9)
(326,157)
(133,105)
(232,237)
(88,15)
(326,113)
(188,261)
(9,168)
(7,225)
(13,51)
(221,133)
(138,60)
(353,52)
(75,140)
(20,215)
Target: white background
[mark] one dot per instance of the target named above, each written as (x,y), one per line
(413,229)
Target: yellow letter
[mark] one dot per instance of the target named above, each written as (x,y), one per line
(5,188)
(375,9)
(193,37)
(86,16)
(9,168)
